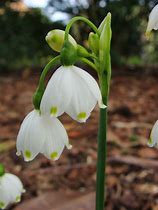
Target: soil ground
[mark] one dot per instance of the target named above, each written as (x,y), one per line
(132,167)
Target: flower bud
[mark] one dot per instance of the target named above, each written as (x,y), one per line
(93,41)
(55,39)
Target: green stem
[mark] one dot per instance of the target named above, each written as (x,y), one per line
(102,147)
(73,20)
(2,170)
(41,86)
(46,69)
(88,62)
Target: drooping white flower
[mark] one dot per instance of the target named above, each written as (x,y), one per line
(153,20)
(11,189)
(41,134)
(71,90)
(153,141)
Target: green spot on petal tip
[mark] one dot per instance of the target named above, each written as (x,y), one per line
(81,115)
(150,141)
(28,154)
(148,34)
(2,205)
(18,199)
(53,110)
(53,155)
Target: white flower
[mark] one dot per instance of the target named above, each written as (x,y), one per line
(153,20)
(11,189)
(71,90)
(153,141)
(41,134)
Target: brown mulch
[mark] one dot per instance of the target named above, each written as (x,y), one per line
(132,181)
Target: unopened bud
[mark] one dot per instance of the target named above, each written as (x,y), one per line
(55,39)
(93,41)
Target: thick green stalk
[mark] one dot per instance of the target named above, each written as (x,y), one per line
(102,147)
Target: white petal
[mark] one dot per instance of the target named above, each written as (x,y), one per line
(154,135)
(85,94)
(5,197)
(16,187)
(56,139)
(92,84)
(17,182)
(153,19)
(30,138)
(57,95)
(11,189)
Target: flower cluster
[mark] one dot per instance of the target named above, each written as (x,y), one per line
(70,90)
(11,189)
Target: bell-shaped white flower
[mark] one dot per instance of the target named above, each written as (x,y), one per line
(153,20)
(11,189)
(71,90)
(41,134)
(153,141)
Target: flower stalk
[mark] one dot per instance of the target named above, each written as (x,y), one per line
(73,20)
(2,170)
(41,86)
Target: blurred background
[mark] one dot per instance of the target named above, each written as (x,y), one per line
(26,22)
(132,181)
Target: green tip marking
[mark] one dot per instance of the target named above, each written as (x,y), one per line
(150,141)
(18,198)
(53,110)
(28,154)
(53,155)
(81,115)
(2,204)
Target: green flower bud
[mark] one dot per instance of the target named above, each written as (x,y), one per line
(2,170)
(82,52)
(55,39)
(68,54)
(93,41)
